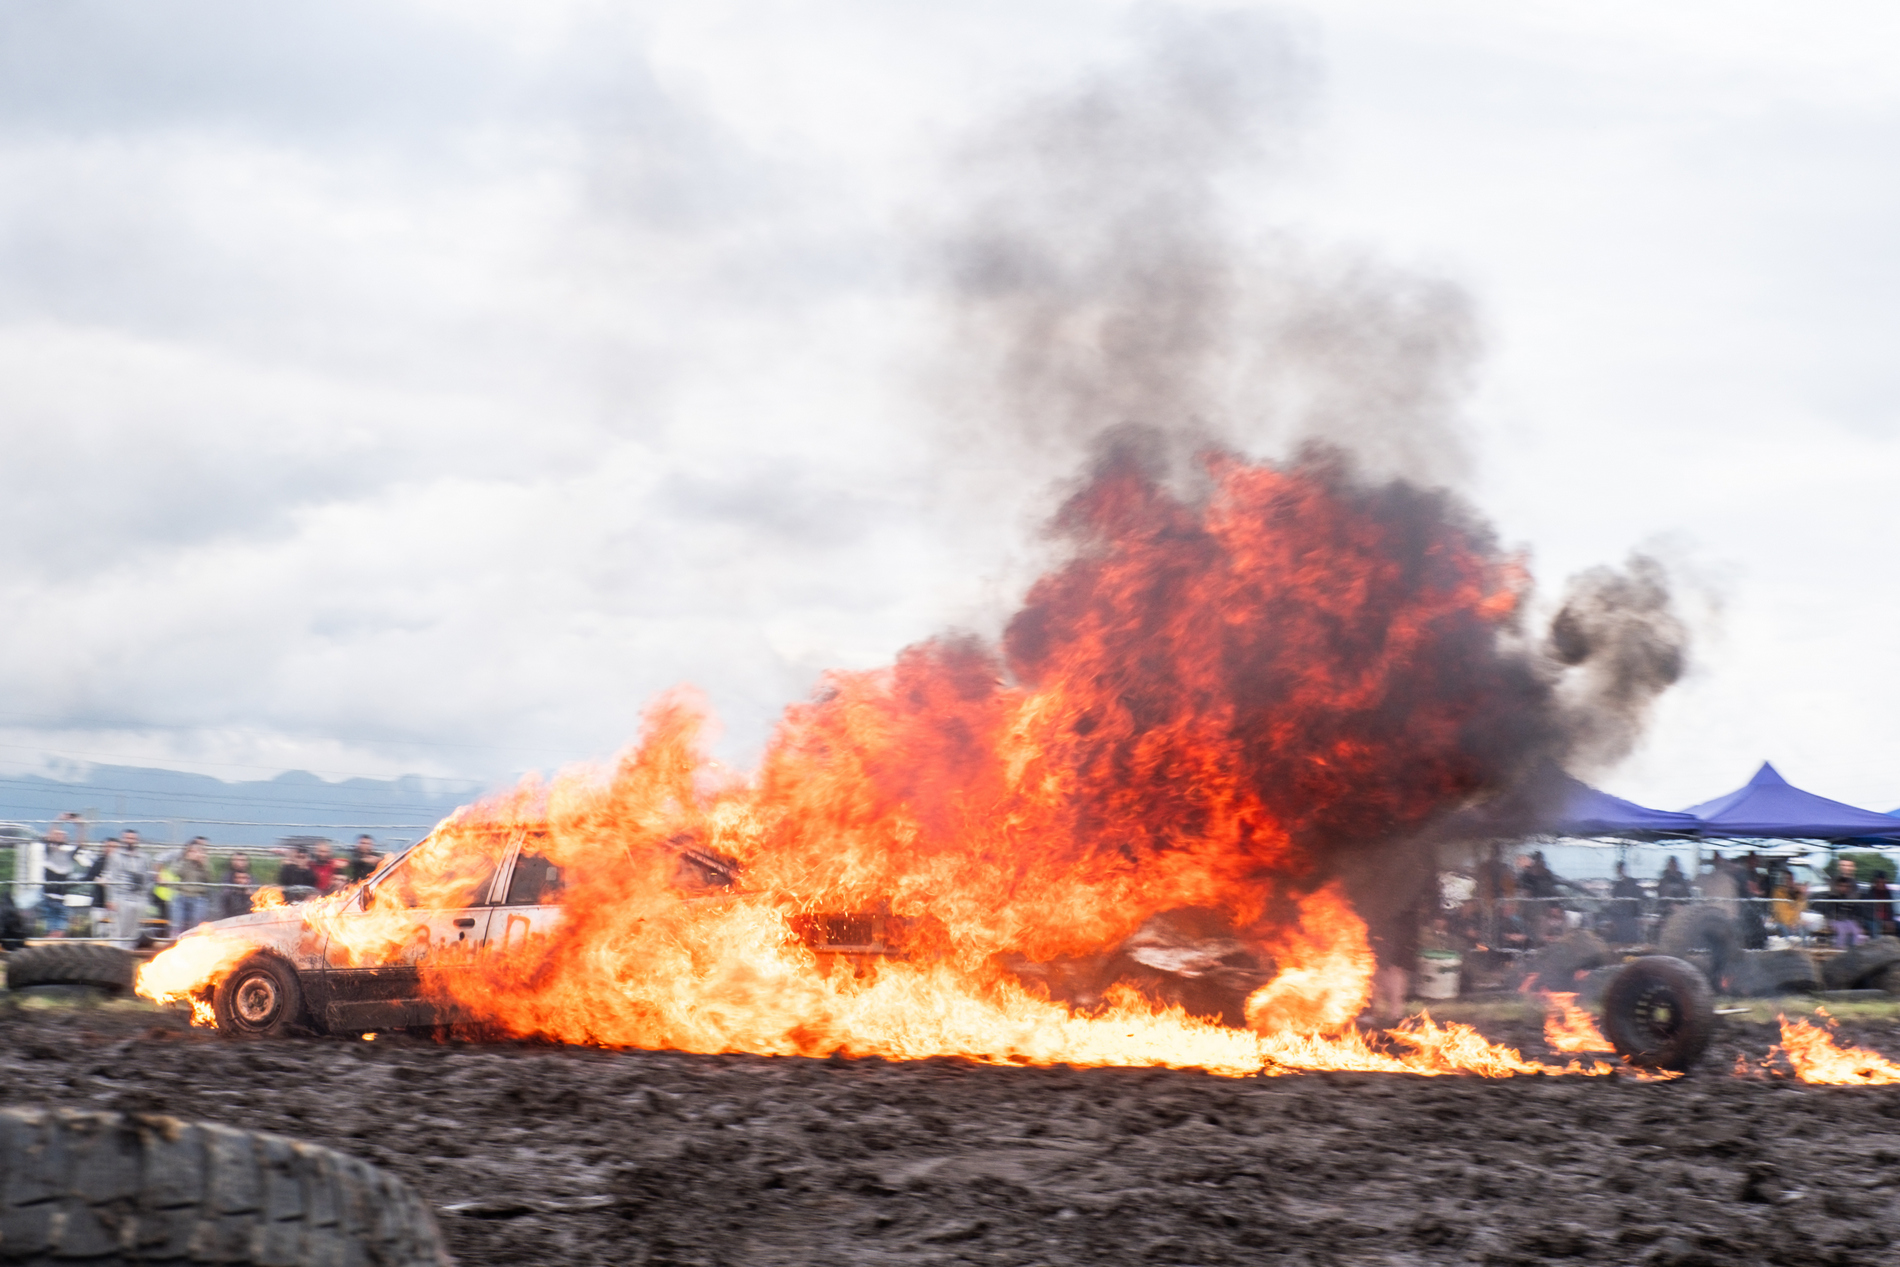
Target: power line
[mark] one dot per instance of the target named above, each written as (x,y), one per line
(124,756)
(380,827)
(80,791)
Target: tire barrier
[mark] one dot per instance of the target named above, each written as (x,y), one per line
(78,963)
(113,1190)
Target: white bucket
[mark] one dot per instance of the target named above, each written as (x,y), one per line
(1438,974)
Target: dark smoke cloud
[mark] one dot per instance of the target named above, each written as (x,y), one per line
(1110,294)
(1622,644)
(1103,271)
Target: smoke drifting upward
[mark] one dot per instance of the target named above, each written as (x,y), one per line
(1102,273)
(1619,634)
(1119,306)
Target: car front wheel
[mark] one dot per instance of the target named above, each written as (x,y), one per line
(259,998)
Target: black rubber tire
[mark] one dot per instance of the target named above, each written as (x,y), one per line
(72,963)
(1659,1013)
(1705,932)
(1772,973)
(260,999)
(1856,969)
(1558,964)
(111,1190)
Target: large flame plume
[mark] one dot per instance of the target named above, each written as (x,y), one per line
(1222,709)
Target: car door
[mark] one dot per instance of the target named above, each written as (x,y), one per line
(530,906)
(429,911)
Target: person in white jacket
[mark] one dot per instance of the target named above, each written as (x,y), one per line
(127,879)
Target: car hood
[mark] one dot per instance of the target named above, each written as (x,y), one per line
(281,929)
(281,915)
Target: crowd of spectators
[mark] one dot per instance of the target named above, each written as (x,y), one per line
(119,890)
(1522,907)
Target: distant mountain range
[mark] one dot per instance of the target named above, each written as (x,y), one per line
(171,805)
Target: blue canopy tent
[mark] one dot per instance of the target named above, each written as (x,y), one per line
(1768,807)
(1584,811)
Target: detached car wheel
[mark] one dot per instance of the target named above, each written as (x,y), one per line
(260,997)
(72,963)
(1659,1013)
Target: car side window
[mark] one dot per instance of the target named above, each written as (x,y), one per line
(536,881)
(434,882)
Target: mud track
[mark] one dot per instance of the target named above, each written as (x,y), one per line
(591,1157)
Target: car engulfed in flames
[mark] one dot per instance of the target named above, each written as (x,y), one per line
(1150,827)
(426,942)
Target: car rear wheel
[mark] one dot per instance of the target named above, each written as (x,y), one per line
(259,998)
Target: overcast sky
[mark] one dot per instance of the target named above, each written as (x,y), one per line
(419,387)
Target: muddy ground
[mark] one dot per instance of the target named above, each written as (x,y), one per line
(665,1158)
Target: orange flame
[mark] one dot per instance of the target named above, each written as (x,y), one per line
(268,897)
(1211,711)
(1329,974)
(1816,1057)
(188,971)
(1568,1027)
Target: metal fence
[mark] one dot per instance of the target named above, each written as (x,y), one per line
(1504,919)
(77,908)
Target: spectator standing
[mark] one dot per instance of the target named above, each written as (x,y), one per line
(1672,890)
(1542,916)
(126,877)
(1880,905)
(1626,908)
(96,871)
(296,872)
(164,890)
(28,886)
(235,899)
(1788,898)
(323,868)
(59,866)
(1843,906)
(364,860)
(1720,881)
(194,888)
(1753,916)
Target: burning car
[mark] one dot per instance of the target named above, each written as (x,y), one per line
(356,961)
(416,945)
(1253,702)
(386,954)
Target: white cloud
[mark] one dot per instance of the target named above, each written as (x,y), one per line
(421,387)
